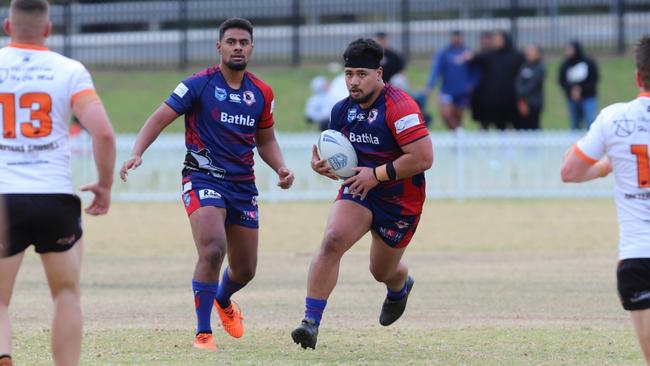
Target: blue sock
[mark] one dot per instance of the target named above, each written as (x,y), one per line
(396,295)
(203,302)
(226,288)
(314,308)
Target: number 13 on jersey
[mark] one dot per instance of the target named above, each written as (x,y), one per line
(39,105)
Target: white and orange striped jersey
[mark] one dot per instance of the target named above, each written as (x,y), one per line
(622,132)
(37,90)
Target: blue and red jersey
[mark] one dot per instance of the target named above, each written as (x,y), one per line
(378,134)
(220,122)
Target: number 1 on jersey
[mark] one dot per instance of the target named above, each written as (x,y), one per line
(642,164)
(41,114)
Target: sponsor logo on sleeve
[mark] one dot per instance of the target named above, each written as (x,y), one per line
(181,90)
(220,94)
(209,194)
(406,122)
(249,98)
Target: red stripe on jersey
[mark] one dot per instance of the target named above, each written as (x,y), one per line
(399,105)
(266,119)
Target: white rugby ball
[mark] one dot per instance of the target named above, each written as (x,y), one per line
(334,147)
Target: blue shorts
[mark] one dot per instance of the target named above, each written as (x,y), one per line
(388,221)
(459,100)
(239,199)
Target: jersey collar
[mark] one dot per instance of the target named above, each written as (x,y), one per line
(27,46)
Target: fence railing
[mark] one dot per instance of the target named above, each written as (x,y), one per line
(467,165)
(179,32)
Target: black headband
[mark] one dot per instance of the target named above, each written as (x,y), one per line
(362,61)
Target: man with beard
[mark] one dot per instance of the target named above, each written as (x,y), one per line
(228,111)
(386,196)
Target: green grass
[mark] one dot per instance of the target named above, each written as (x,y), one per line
(370,346)
(130,96)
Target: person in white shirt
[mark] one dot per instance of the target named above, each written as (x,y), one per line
(618,141)
(39,92)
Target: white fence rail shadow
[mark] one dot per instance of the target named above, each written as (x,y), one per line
(466,165)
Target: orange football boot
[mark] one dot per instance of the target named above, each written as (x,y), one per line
(231,319)
(205,341)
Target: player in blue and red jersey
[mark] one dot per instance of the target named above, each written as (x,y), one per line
(393,148)
(228,111)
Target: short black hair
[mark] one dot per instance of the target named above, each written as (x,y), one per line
(456,33)
(642,54)
(30,6)
(381,35)
(364,48)
(238,23)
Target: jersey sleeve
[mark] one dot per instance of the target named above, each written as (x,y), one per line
(266,119)
(592,146)
(81,83)
(183,96)
(405,121)
(337,116)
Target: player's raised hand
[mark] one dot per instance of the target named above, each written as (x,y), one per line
(321,166)
(101,201)
(362,183)
(286,178)
(131,163)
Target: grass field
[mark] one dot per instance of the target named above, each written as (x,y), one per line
(131,96)
(497,283)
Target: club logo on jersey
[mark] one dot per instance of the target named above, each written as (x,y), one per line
(364,138)
(237,119)
(338,161)
(220,94)
(249,98)
(248,216)
(4,73)
(209,193)
(625,127)
(372,116)
(181,90)
(406,122)
(352,114)
(361,117)
(402,224)
(234,98)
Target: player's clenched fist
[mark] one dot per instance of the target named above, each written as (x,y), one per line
(286,178)
(131,163)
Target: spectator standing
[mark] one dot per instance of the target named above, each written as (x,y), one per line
(498,68)
(392,63)
(452,67)
(529,87)
(578,78)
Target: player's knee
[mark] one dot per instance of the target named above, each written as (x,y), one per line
(379,273)
(70,295)
(244,274)
(211,250)
(333,244)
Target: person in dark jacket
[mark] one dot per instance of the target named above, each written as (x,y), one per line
(529,87)
(578,77)
(478,113)
(498,68)
(392,63)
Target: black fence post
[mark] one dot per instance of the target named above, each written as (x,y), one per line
(620,13)
(406,29)
(67,28)
(295,33)
(183,26)
(514,18)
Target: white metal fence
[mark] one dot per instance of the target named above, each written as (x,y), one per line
(466,165)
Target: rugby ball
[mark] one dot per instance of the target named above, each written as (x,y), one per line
(334,147)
